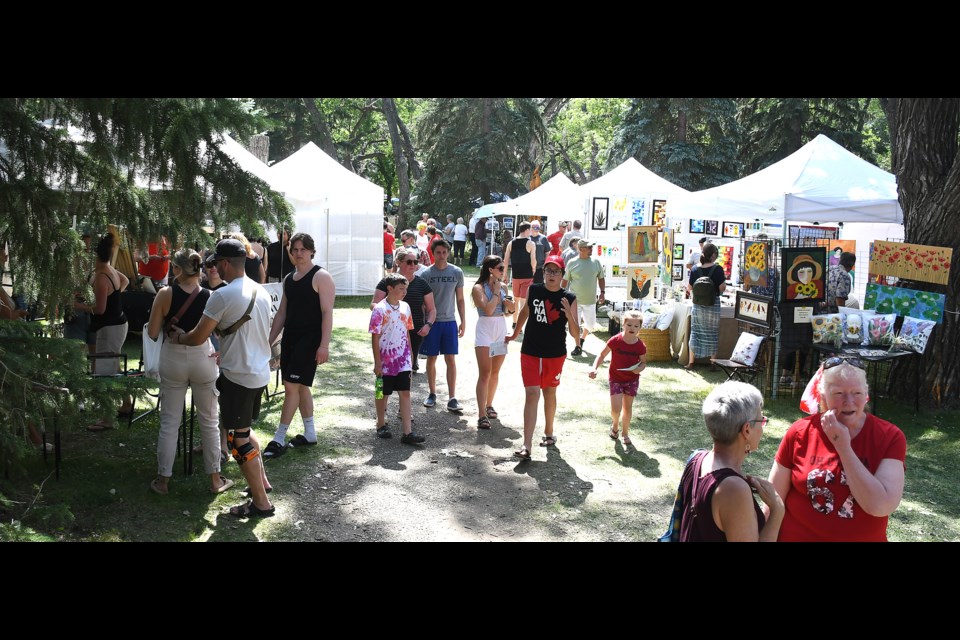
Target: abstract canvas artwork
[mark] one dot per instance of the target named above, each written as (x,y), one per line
(732,229)
(725,260)
(696,226)
(642,244)
(638,212)
(678,252)
(911,261)
(924,305)
(711,227)
(660,213)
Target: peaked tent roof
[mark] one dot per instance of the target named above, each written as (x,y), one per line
(819,182)
(632,178)
(557,197)
(310,174)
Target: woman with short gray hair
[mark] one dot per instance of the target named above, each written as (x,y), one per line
(717,496)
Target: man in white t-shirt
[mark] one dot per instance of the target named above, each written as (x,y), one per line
(241,313)
(569,235)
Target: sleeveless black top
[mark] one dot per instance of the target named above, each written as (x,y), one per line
(520,259)
(191,317)
(303,303)
(252,268)
(112,314)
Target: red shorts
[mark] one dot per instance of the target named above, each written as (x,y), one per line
(520,287)
(541,372)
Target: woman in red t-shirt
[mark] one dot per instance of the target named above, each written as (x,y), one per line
(840,473)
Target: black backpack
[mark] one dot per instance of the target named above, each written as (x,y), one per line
(704,290)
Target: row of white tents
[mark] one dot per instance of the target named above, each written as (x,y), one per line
(820,183)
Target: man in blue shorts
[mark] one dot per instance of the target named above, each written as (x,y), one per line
(446,281)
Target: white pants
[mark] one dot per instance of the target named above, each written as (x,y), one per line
(588,316)
(109,340)
(182,366)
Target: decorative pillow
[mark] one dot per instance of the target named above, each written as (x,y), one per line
(852,328)
(914,333)
(650,319)
(880,329)
(666,318)
(827,329)
(748,345)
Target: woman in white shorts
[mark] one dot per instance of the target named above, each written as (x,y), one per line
(492,301)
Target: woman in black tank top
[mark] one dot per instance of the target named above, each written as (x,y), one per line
(182,366)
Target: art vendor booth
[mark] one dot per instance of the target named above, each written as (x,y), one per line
(786,227)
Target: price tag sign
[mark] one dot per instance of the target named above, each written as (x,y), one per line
(802,315)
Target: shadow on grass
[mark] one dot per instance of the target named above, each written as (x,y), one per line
(632,458)
(557,477)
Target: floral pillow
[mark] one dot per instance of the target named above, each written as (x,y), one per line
(915,333)
(880,329)
(827,329)
(748,346)
(650,319)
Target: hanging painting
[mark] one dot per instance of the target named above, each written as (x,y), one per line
(642,243)
(732,229)
(835,248)
(678,226)
(601,214)
(725,260)
(755,261)
(641,281)
(754,309)
(678,253)
(911,261)
(753,227)
(696,226)
(638,211)
(803,273)
(677,272)
(660,213)
(711,227)
(667,260)
(924,305)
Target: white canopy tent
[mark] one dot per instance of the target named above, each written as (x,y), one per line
(557,198)
(632,179)
(820,182)
(341,210)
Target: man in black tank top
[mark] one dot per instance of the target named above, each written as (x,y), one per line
(306,318)
(521,257)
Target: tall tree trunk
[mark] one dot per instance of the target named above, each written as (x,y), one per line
(924,153)
(682,126)
(594,166)
(320,127)
(486,113)
(574,167)
(399,158)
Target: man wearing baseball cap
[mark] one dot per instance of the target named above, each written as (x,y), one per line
(582,276)
(240,312)
(550,309)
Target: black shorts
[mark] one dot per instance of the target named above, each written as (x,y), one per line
(538,276)
(236,403)
(298,356)
(399,382)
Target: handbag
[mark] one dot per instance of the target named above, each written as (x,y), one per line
(151,353)
(672,534)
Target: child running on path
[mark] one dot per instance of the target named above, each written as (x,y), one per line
(629,353)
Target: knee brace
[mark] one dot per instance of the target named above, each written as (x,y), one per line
(244,452)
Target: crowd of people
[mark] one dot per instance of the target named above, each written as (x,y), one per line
(837,474)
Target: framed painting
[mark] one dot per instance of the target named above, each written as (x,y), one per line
(756,261)
(732,229)
(677,272)
(804,273)
(835,248)
(601,214)
(911,261)
(924,305)
(754,309)
(711,227)
(678,253)
(696,226)
(660,213)
(642,244)
(725,260)
(641,281)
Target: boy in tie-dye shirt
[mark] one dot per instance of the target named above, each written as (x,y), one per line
(390,322)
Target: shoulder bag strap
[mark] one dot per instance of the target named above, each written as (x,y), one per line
(243,319)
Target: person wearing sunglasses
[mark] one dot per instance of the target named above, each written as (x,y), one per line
(717,495)
(839,472)
(552,312)
(419,296)
(492,300)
